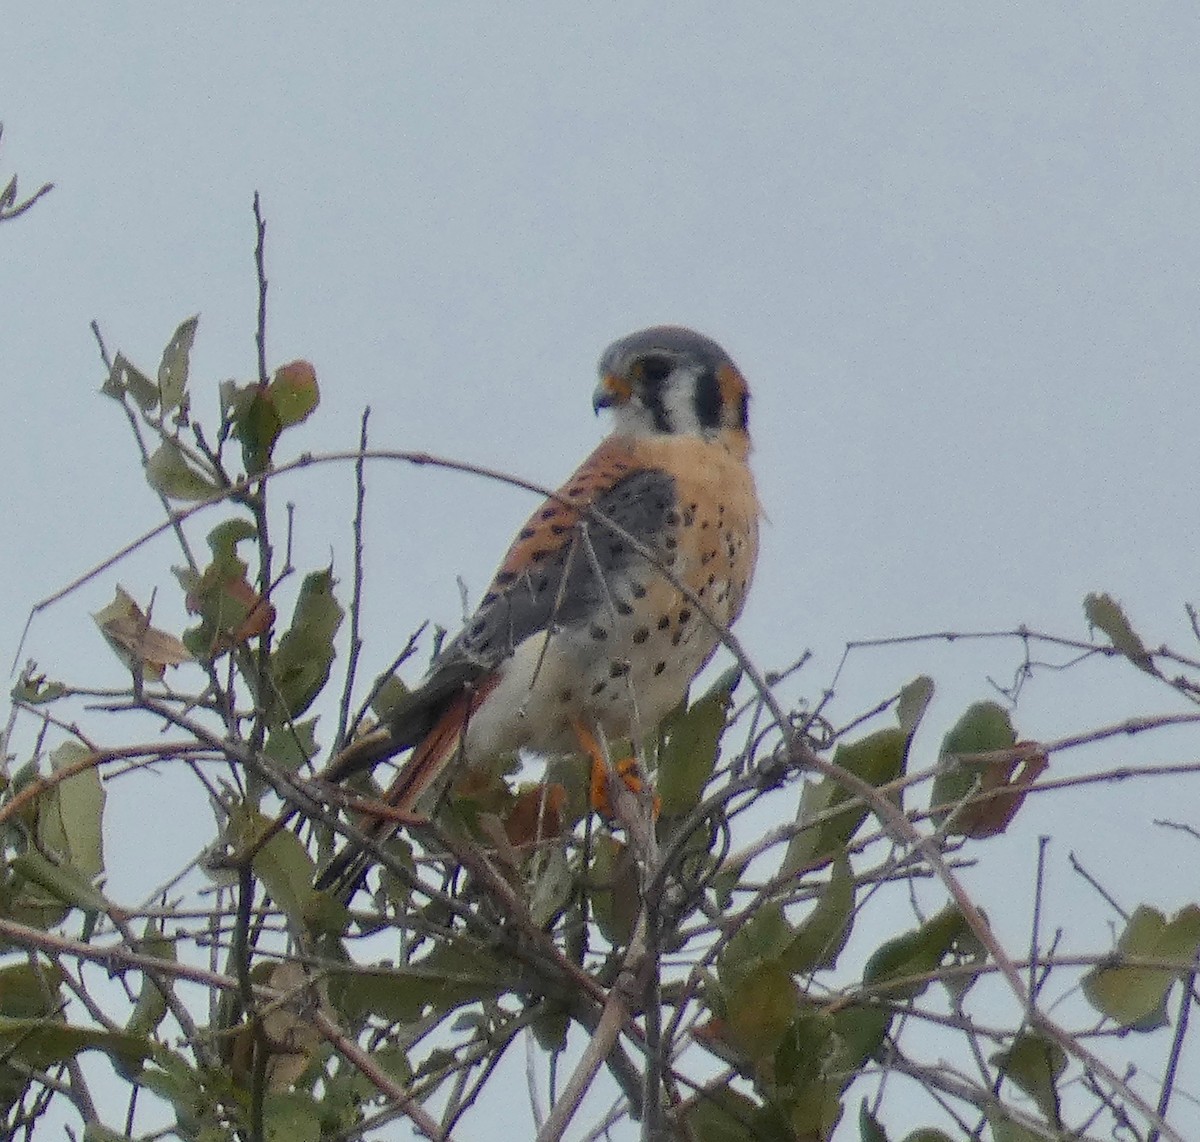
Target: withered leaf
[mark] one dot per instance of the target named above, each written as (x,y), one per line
(140,646)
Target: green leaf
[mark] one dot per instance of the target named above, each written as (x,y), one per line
(1136,997)
(282,864)
(30,991)
(765,937)
(860,1034)
(916,953)
(801,1084)
(151,1006)
(168,471)
(1104,613)
(928,1134)
(126,378)
(821,834)
(550,1029)
(804,1053)
(301,663)
(28,903)
(869,1129)
(257,425)
(821,937)
(726,1115)
(36,689)
(760,1008)
(173,369)
(1035,1064)
(63,882)
(983,728)
(1004,1129)
(294,392)
(223,542)
(690,741)
(615,896)
(42,1043)
(553,885)
(291,1116)
(453,974)
(914,701)
(70,818)
(388,695)
(292,745)
(196,1095)
(96,1132)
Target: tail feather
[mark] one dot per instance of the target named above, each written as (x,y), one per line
(420,772)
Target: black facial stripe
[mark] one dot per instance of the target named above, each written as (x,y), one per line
(708,400)
(652,397)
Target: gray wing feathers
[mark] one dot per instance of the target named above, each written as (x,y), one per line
(566,586)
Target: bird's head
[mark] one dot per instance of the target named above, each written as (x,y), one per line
(672,380)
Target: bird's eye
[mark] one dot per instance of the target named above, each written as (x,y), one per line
(656,369)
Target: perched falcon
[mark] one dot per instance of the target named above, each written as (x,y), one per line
(581,630)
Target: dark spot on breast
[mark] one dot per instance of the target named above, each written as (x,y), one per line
(599,688)
(490,597)
(659,667)
(539,556)
(677,638)
(672,519)
(549,513)
(670,543)
(689,517)
(527,533)
(640,635)
(623,608)
(618,669)
(637,590)
(559,528)
(664,622)
(597,632)
(566,695)
(575,492)
(684,615)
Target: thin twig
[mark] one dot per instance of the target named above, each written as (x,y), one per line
(1180,1037)
(613,1018)
(356,592)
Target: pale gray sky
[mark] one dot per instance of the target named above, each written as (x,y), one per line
(956,253)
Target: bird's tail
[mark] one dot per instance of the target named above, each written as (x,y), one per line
(428,761)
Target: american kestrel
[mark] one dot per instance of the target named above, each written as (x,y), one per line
(579,631)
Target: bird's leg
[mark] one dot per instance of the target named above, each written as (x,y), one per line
(627,769)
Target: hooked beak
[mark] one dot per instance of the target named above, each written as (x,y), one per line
(612,390)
